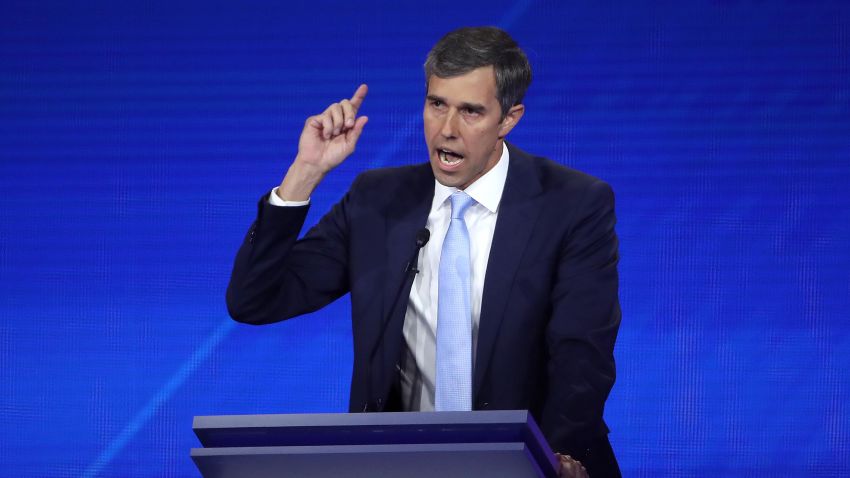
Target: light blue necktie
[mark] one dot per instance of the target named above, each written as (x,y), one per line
(454,314)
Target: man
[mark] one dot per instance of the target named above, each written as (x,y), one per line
(513,300)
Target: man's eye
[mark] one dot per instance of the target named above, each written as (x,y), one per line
(437,103)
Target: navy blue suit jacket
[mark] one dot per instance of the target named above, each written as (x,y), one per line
(549,312)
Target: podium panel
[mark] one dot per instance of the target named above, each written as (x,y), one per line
(430,444)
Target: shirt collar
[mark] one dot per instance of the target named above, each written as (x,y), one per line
(486,190)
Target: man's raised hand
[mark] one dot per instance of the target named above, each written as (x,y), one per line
(326,140)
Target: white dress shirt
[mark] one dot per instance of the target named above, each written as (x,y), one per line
(418,366)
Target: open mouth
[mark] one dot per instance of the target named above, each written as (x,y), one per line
(449,157)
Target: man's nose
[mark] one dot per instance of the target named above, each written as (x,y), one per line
(449,129)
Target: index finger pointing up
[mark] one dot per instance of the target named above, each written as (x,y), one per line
(359,95)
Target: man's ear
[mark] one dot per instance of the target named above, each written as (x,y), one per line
(511,119)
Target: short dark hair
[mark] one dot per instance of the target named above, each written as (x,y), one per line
(466,49)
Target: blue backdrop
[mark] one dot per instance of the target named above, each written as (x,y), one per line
(136,137)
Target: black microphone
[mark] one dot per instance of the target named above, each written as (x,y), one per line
(422,237)
(410,271)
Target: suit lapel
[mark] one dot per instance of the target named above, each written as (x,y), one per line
(406,213)
(518,211)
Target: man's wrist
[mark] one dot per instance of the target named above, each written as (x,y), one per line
(300,181)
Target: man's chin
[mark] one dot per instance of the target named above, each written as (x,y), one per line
(447,180)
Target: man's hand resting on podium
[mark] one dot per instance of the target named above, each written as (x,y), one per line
(326,140)
(570,468)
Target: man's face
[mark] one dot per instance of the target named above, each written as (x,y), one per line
(463,126)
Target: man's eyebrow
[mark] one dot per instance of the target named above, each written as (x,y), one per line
(476,107)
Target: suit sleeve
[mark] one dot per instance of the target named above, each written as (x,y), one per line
(582,330)
(276,276)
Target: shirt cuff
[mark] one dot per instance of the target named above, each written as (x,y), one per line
(275,200)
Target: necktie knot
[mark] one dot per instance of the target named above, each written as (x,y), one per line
(460,202)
